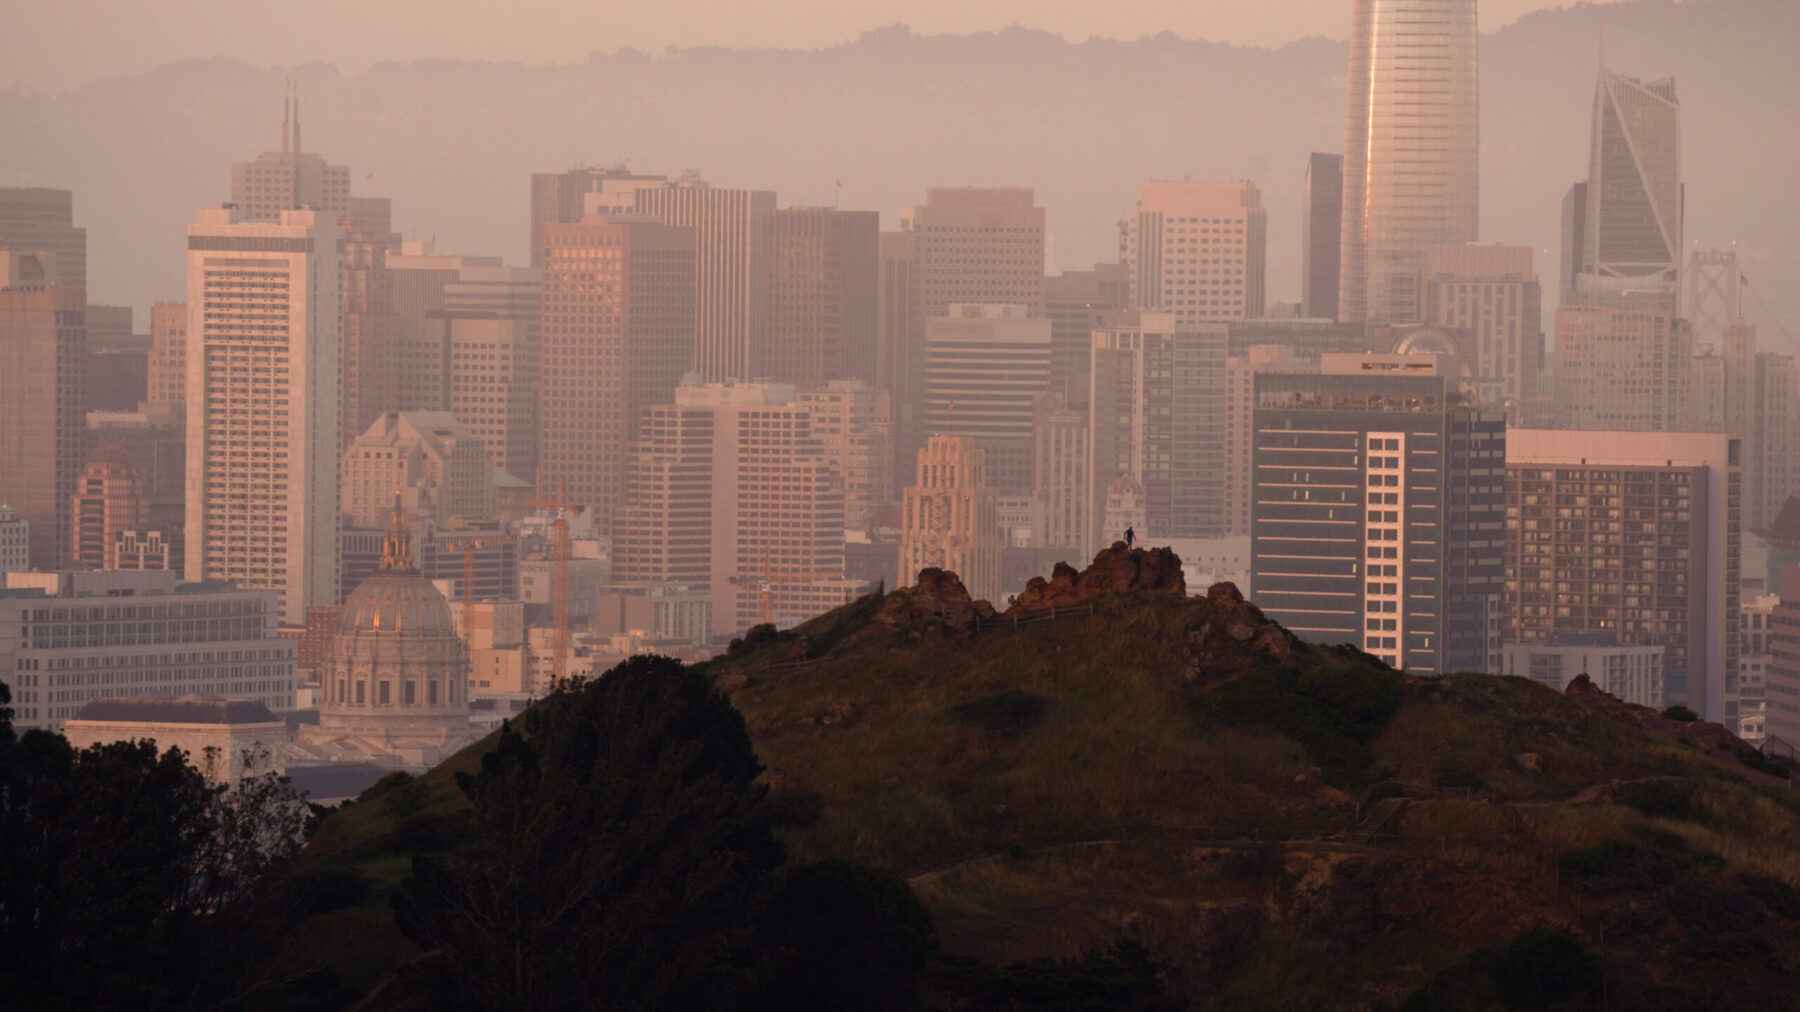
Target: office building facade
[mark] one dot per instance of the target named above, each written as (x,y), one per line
(1197,250)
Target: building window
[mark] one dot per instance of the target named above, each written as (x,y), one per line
(410,693)
(386,693)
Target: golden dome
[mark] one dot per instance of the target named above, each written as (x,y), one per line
(397,603)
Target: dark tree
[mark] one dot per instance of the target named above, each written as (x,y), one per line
(617,852)
(842,936)
(125,876)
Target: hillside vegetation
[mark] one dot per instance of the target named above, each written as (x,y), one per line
(1114,764)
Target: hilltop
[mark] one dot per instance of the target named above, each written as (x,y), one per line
(1277,823)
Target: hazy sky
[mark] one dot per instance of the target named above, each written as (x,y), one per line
(63,43)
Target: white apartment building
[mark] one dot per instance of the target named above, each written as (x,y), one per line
(264,366)
(1197,250)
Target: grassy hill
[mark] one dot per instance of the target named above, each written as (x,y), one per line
(1278,823)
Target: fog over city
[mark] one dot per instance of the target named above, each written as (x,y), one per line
(899,505)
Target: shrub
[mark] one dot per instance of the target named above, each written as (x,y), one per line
(1333,712)
(1456,778)
(1681,713)
(1757,761)
(1781,899)
(1542,967)
(1005,715)
(798,809)
(1620,864)
(317,890)
(1660,799)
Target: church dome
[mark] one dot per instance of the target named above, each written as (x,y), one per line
(395,603)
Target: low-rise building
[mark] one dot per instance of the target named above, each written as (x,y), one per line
(68,638)
(1632,672)
(225,739)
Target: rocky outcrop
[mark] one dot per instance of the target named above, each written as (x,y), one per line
(1712,738)
(937,593)
(1228,635)
(1154,570)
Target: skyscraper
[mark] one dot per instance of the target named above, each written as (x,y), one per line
(109,501)
(265,357)
(1410,151)
(984,368)
(43,386)
(1622,355)
(1321,236)
(1634,193)
(819,317)
(1197,250)
(562,198)
(1076,302)
(40,218)
(729,273)
(1157,415)
(168,357)
(1489,290)
(618,334)
(949,517)
(289,179)
(1379,503)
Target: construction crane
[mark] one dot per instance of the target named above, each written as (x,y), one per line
(766,581)
(559,575)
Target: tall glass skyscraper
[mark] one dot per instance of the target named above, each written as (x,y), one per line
(1410,150)
(1634,197)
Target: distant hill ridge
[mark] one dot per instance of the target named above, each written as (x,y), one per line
(893,112)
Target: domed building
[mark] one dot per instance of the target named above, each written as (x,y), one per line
(395,689)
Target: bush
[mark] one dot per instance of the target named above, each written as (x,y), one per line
(1620,864)
(317,890)
(1681,713)
(1333,712)
(1125,978)
(1005,715)
(1757,761)
(1781,899)
(1456,778)
(798,809)
(1660,799)
(1542,967)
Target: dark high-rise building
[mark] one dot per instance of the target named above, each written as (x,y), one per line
(34,218)
(1378,512)
(730,283)
(1634,194)
(1321,236)
(371,362)
(1574,236)
(820,307)
(1077,302)
(617,336)
(43,390)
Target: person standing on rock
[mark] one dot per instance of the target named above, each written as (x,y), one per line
(1130,537)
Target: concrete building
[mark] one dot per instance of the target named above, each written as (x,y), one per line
(109,501)
(426,462)
(950,520)
(1077,302)
(288,180)
(1632,672)
(897,321)
(1240,414)
(396,689)
(1632,534)
(1489,291)
(1321,235)
(373,369)
(43,388)
(985,365)
(563,198)
(820,306)
(1411,151)
(167,379)
(1062,488)
(227,740)
(733,478)
(729,233)
(854,424)
(1622,357)
(265,357)
(40,218)
(620,302)
(67,638)
(1197,251)
(15,541)
(1378,512)
(1781,686)
(1157,414)
(1634,198)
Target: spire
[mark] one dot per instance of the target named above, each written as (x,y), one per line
(396,548)
(287,117)
(296,121)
